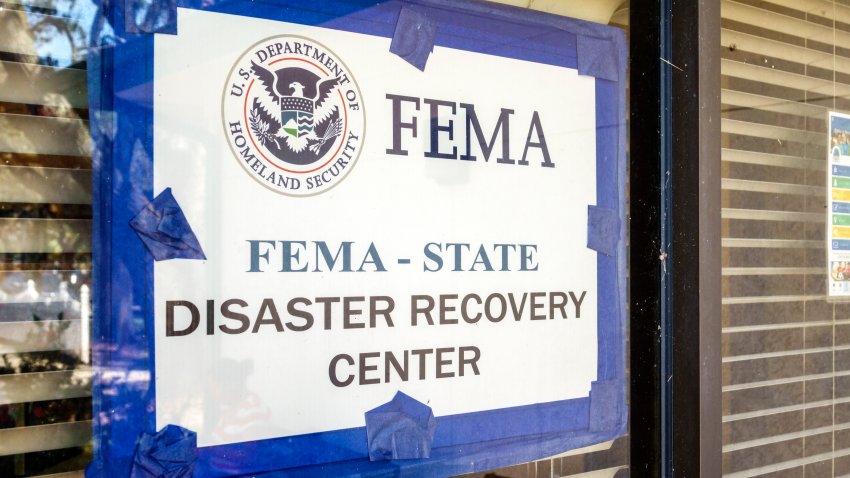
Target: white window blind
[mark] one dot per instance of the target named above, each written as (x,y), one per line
(786,349)
(45,241)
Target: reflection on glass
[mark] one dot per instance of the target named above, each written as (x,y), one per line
(45,254)
(45,238)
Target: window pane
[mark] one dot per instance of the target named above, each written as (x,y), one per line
(45,239)
(46,246)
(785,371)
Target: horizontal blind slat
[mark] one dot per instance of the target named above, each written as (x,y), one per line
(735,446)
(781,381)
(39,386)
(746,100)
(776,77)
(25,184)
(761,271)
(55,436)
(781,353)
(771,243)
(44,135)
(770,187)
(742,329)
(45,235)
(765,299)
(784,409)
(781,50)
(68,474)
(22,276)
(15,31)
(822,8)
(771,215)
(747,128)
(782,23)
(39,336)
(45,261)
(787,465)
(42,85)
(768,159)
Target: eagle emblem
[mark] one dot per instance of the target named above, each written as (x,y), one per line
(292,115)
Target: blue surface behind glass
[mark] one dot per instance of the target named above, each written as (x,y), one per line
(124,393)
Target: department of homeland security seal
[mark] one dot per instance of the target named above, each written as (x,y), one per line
(293,115)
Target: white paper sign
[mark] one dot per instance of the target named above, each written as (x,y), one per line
(438,260)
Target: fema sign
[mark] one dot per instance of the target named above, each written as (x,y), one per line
(293,114)
(348,221)
(450,264)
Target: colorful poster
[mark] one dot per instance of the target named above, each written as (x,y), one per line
(838,194)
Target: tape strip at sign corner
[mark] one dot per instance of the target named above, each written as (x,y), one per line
(163,228)
(150,16)
(401,429)
(603,230)
(414,36)
(607,407)
(594,58)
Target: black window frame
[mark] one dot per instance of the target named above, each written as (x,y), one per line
(675,245)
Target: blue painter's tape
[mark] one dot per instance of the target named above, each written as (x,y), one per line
(414,37)
(170,452)
(401,429)
(606,405)
(150,16)
(94,469)
(603,230)
(166,233)
(595,58)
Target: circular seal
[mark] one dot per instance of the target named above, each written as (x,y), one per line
(293,115)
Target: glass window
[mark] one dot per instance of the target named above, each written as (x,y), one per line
(46,245)
(785,343)
(45,238)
